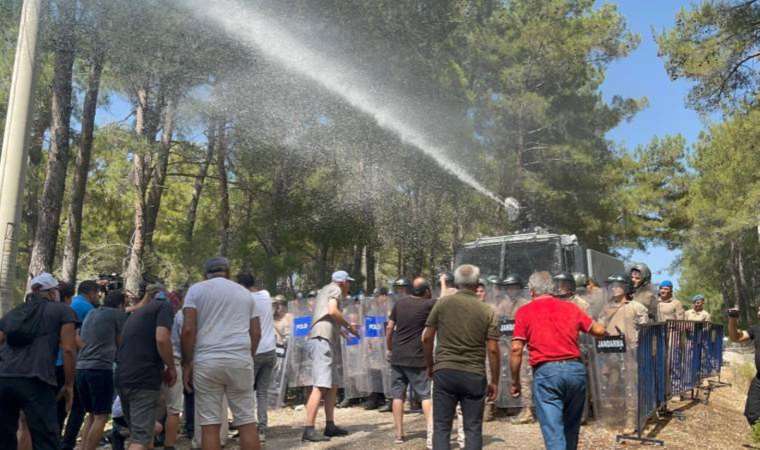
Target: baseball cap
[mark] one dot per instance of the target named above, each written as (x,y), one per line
(44,281)
(216,264)
(666,283)
(341,276)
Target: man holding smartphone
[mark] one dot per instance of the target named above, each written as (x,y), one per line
(752,407)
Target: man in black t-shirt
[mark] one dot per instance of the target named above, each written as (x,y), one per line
(752,407)
(144,359)
(404,339)
(27,372)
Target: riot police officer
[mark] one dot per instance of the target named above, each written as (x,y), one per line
(564,288)
(641,278)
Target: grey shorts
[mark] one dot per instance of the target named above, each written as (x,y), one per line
(402,376)
(324,365)
(139,406)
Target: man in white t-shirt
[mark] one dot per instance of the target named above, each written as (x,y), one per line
(266,354)
(220,335)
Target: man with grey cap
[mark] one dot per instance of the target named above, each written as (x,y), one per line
(220,335)
(324,348)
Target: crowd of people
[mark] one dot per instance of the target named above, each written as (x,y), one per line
(462,348)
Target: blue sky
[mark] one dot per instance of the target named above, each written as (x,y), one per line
(642,74)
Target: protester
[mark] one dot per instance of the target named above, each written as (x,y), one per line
(67,292)
(143,360)
(697,313)
(668,308)
(30,336)
(550,327)
(406,355)
(101,335)
(324,348)
(174,394)
(266,353)
(464,326)
(752,406)
(86,300)
(220,334)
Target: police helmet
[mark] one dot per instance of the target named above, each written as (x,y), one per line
(564,278)
(643,269)
(402,282)
(513,280)
(581,280)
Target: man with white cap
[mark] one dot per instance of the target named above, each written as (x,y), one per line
(30,335)
(324,348)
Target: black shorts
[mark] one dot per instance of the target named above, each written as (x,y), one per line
(95,389)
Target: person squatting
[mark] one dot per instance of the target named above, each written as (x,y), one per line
(460,350)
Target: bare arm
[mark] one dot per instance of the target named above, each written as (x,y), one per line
(494,360)
(515,361)
(255,332)
(428,339)
(734,333)
(69,352)
(189,335)
(164,345)
(679,311)
(389,335)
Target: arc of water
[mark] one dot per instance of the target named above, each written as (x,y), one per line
(264,33)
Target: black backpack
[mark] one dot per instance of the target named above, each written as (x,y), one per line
(24,323)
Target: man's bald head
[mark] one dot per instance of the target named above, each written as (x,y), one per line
(421,288)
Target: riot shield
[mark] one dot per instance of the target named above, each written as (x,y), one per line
(278,386)
(506,303)
(299,360)
(375,311)
(355,379)
(614,383)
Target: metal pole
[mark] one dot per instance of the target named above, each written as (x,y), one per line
(14,152)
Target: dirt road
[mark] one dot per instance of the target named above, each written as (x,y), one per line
(717,425)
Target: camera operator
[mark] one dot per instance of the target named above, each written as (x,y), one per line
(752,407)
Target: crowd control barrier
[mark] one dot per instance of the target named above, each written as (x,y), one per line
(651,359)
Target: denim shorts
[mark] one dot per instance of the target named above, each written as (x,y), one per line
(402,376)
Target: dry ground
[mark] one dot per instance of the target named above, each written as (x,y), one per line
(717,425)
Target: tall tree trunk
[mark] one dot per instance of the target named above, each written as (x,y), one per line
(74,230)
(200,179)
(158,180)
(224,206)
(48,224)
(323,255)
(140,180)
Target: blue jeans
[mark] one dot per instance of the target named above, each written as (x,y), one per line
(559,392)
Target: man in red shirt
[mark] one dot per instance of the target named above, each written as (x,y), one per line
(550,327)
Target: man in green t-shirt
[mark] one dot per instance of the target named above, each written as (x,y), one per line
(464,327)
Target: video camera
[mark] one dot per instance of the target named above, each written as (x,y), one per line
(110,282)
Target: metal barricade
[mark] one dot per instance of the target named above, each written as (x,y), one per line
(684,356)
(651,381)
(712,350)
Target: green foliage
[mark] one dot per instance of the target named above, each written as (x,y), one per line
(715,44)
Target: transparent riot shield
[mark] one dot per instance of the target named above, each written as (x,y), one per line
(506,301)
(299,360)
(615,377)
(375,311)
(355,379)
(278,386)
